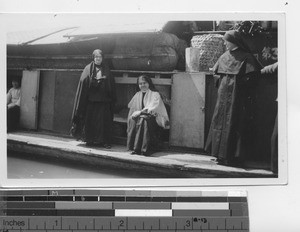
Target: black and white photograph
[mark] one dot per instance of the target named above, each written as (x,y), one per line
(175,102)
(145,96)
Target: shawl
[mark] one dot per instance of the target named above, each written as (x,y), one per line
(153,104)
(236,62)
(81,97)
(81,93)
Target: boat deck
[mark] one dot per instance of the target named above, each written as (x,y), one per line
(166,164)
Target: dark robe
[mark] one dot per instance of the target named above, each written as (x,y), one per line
(13,117)
(93,107)
(143,134)
(232,129)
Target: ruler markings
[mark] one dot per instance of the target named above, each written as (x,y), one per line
(121,198)
(124,193)
(177,227)
(238,212)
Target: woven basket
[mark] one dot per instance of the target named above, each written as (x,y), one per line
(211,48)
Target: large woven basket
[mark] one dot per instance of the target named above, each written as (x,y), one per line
(211,48)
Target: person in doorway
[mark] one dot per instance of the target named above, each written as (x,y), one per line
(13,98)
(147,114)
(232,130)
(94,101)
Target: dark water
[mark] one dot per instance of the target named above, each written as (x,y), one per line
(28,166)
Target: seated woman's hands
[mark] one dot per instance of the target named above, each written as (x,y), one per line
(135,114)
(139,113)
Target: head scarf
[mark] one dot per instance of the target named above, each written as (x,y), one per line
(96,52)
(148,80)
(237,61)
(236,38)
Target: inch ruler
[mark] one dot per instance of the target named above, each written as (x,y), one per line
(122,210)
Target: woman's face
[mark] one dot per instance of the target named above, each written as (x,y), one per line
(144,85)
(98,59)
(229,46)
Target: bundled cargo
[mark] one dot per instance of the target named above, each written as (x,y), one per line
(143,51)
(211,47)
(156,51)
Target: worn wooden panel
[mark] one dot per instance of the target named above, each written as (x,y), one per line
(46,101)
(132,80)
(29,99)
(65,90)
(187,110)
(124,94)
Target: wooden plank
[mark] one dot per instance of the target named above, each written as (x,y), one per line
(51,57)
(148,72)
(46,98)
(209,32)
(132,80)
(29,99)
(120,119)
(107,56)
(187,114)
(51,69)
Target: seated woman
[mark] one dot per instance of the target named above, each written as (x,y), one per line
(147,113)
(13,105)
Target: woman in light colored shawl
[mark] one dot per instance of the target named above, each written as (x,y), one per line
(147,113)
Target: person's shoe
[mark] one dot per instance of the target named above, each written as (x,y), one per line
(107,146)
(145,153)
(134,153)
(90,144)
(238,163)
(221,161)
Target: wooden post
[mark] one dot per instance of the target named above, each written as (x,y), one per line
(192,57)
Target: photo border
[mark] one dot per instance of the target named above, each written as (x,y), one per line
(183,182)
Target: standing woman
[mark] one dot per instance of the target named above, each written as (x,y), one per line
(94,101)
(232,131)
(147,113)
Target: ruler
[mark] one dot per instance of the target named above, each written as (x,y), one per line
(82,210)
